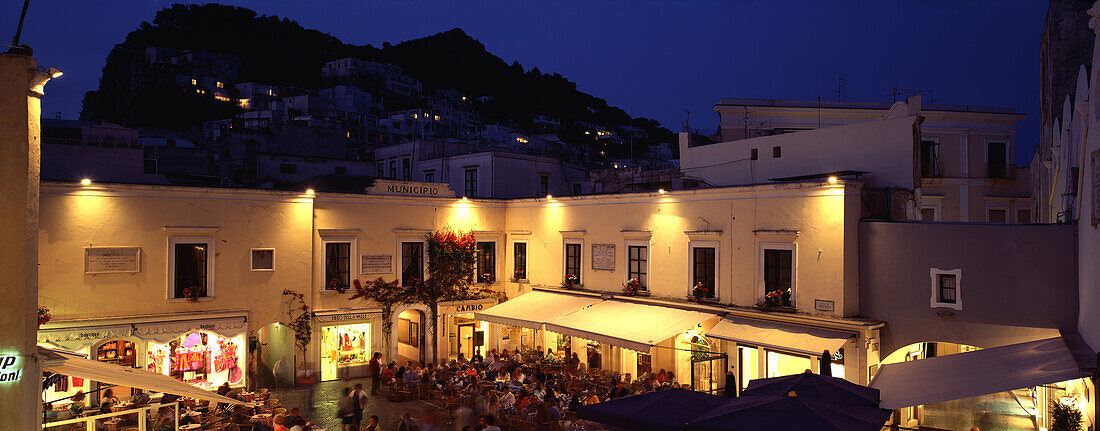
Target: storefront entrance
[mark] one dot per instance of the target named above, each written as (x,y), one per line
(345,351)
(200,358)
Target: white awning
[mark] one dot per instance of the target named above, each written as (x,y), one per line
(164,332)
(533,309)
(628,325)
(75,338)
(980,372)
(801,339)
(70,364)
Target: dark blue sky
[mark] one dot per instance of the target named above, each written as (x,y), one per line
(652,58)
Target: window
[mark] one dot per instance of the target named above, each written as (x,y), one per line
(191,266)
(544,185)
(576,189)
(406,169)
(928,214)
(637,265)
(194,81)
(471,183)
(337,265)
(573,261)
(341,170)
(997,159)
(997,215)
(782,364)
(322,141)
(747,363)
(429,176)
(381,170)
(520,258)
(779,272)
(946,288)
(393,169)
(1023,216)
(486,262)
(219,84)
(263,259)
(754,154)
(777,152)
(288,168)
(703,268)
(645,364)
(929,159)
(412,263)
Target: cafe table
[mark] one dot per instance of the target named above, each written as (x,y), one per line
(264,418)
(190,427)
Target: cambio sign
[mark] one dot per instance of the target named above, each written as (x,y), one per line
(10,368)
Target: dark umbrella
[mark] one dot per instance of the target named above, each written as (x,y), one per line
(789,412)
(661,410)
(816,387)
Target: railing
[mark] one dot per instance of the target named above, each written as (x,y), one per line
(142,417)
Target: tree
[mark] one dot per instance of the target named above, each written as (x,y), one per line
(450,272)
(1064,417)
(388,295)
(302,323)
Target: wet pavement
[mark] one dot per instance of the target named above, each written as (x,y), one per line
(318,404)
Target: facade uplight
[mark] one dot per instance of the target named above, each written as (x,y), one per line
(661,191)
(86,182)
(549,196)
(465,198)
(832,180)
(310,192)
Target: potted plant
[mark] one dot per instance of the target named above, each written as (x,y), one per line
(776,300)
(44,315)
(335,283)
(193,293)
(632,287)
(570,282)
(1064,417)
(701,292)
(487,278)
(519,275)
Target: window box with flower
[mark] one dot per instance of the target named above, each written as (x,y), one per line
(776,300)
(44,315)
(193,293)
(571,281)
(634,287)
(701,292)
(519,276)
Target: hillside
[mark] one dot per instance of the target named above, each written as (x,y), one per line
(278,51)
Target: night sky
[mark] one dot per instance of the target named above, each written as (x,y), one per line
(652,58)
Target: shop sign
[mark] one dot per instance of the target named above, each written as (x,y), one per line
(10,368)
(409,188)
(376,264)
(467,306)
(106,260)
(344,317)
(603,257)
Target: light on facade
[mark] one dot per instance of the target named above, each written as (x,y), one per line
(661,191)
(549,196)
(465,198)
(86,182)
(310,192)
(832,180)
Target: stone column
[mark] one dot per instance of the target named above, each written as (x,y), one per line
(20,376)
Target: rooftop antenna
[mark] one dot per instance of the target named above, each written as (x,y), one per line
(19,30)
(841,91)
(819,100)
(686,125)
(896,91)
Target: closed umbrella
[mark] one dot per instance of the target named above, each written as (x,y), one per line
(663,410)
(825,363)
(789,412)
(817,387)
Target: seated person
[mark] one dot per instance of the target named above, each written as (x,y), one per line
(296,420)
(140,398)
(78,404)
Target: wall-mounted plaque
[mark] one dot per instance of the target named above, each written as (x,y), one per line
(603,257)
(106,260)
(263,259)
(823,305)
(376,264)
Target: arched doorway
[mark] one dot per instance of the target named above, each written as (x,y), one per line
(410,336)
(276,342)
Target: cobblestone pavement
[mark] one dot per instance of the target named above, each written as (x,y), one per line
(318,404)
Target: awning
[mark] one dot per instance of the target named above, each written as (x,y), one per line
(980,372)
(164,332)
(533,309)
(628,325)
(75,338)
(70,364)
(801,339)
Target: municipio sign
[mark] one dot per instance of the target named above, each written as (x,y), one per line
(410,188)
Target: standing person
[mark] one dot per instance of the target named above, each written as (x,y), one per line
(407,423)
(345,411)
(375,373)
(358,403)
(731,383)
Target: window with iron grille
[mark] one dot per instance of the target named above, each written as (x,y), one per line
(520,258)
(947,289)
(638,264)
(573,261)
(703,264)
(997,160)
(486,262)
(412,263)
(337,265)
(190,268)
(471,183)
(778,271)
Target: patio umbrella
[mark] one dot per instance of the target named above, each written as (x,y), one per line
(816,387)
(662,410)
(789,412)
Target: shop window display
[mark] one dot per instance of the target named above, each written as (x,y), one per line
(345,351)
(200,358)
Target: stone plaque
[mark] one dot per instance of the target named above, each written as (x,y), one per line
(106,260)
(410,188)
(376,264)
(603,257)
(823,305)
